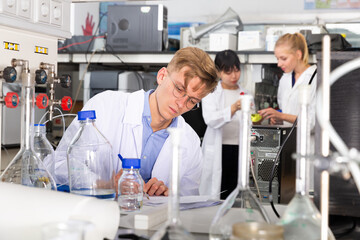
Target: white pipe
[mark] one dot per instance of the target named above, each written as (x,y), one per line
(325,139)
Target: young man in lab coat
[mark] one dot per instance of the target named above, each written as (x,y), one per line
(135,123)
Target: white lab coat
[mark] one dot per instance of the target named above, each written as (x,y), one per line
(288,96)
(119,118)
(215,116)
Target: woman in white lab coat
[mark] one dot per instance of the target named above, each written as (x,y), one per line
(221,140)
(292,55)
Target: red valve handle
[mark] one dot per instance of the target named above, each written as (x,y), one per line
(66,103)
(11,100)
(42,100)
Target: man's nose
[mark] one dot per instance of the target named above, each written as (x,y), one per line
(182,101)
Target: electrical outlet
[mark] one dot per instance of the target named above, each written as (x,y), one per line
(24,8)
(56,12)
(42,11)
(8,6)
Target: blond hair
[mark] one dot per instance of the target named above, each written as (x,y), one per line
(200,64)
(295,42)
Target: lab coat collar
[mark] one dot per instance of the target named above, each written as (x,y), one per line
(135,101)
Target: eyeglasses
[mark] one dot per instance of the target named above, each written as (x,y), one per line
(191,103)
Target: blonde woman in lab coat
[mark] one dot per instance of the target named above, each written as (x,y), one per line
(292,55)
(221,141)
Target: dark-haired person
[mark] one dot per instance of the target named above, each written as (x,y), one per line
(220,145)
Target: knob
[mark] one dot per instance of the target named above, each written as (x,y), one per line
(40,76)
(10,74)
(66,103)
(11,100)
(42,100)
(65,81)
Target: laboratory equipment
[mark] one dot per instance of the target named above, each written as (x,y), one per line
(46,74)
(26,168)
(11,100)
(301,218)
(90,160)
(241,205)
(344,115)
(131,184)
(173,228)
(263,150)
(137,28)
(257,231)
(43,148)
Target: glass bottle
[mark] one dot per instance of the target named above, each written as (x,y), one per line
(43,148)
(173,228)
(301,219)
(241,205)
(26,168)
(131,185)
(90,160)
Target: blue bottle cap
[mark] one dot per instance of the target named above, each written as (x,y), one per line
(83,115)
(131,162)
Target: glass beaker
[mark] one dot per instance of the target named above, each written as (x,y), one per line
(241,205)
(173,228)
(43,148)
(90,160)
(26,168)
(301,219)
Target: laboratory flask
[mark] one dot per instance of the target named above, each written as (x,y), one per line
(130,187)
(301,219)
(43,148)
(26,168)
(90,160)
(173,228)
(241,205)
(257,231)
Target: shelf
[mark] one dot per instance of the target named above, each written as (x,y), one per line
(160,58)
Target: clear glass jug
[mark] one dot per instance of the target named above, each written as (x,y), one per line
(90,160)
(26,168)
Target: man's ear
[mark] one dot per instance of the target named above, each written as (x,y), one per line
(161,75)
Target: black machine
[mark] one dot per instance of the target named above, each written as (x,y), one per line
(137,28)
(263,153)
(345,117)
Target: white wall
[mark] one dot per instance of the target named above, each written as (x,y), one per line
(254,11)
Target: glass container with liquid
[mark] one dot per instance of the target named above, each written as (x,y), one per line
(90,160)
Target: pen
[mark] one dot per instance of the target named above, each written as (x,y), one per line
(146,195)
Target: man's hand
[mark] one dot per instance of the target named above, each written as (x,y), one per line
(156,187)
(117,177)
